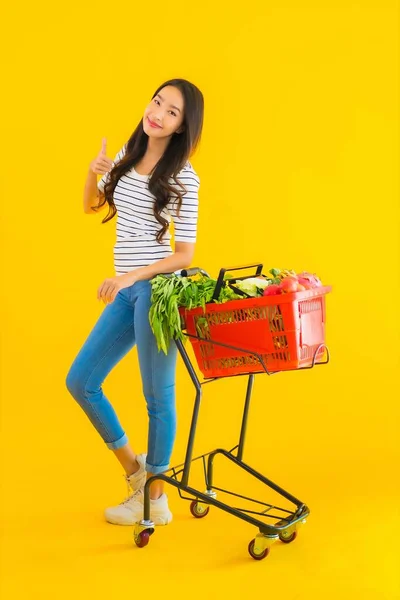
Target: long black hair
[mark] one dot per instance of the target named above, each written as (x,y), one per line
(177,153)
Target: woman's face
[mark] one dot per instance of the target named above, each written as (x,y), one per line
(166,110)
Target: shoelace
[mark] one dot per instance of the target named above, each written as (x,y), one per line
(131,494)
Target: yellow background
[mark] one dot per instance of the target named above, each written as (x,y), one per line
(298,168)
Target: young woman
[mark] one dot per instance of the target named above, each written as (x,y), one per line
(149,183)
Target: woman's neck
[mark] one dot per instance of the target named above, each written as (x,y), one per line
(156,148)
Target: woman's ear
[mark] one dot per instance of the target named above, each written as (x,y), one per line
(180,130)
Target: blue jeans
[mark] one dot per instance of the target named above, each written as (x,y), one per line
(122,324)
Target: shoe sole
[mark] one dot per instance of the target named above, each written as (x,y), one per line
(157,521)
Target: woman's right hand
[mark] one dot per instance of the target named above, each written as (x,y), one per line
(102,164)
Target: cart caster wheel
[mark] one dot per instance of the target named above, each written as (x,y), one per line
(198,509)
(287,539)
(256,555)
(142,532)
(142,539)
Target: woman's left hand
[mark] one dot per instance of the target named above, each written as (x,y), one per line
(111,286)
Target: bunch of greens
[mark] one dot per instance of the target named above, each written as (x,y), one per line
(170,293)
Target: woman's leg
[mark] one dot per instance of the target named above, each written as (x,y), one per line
(127,458)
(158,377)
(109,341)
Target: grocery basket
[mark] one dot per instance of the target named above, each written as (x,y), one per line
(249,336)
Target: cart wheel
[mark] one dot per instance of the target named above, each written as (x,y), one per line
(260,556)
(142,539)
(288,538)
(198,510)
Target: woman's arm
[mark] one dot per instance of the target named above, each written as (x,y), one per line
(91,194)
(94,191)
(180,259)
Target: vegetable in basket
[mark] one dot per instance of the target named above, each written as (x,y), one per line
(253,286)
(170,293)
(289,282)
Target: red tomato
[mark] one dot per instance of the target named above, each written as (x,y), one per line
(272,290)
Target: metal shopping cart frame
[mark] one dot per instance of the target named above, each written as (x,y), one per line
(285,522)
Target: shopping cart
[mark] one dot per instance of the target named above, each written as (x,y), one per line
(244,337)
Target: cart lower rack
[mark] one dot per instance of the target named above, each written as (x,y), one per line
(245,338)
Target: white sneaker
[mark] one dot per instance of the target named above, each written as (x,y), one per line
(130,511)
(135,484)
(137,480)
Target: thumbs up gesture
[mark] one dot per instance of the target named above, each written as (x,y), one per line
(102,164)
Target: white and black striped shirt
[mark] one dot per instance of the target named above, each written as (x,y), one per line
(136,244)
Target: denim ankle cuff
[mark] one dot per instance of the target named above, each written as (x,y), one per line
(118,443)
(156,470)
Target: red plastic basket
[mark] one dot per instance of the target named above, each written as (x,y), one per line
(286,330)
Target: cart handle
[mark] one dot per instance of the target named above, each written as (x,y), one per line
(220,280)
(187,272)
(193,271)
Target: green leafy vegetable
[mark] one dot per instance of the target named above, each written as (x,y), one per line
(170,293)
(253,286)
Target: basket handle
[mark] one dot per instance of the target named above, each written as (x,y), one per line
(220,280)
